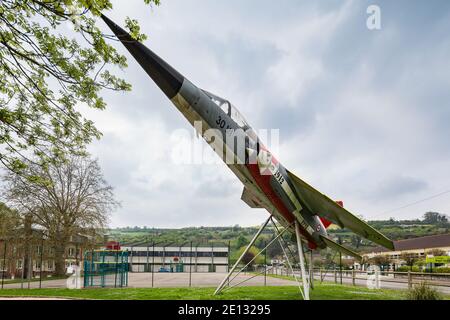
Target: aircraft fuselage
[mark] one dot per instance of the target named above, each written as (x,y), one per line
(222,125)
(252,163)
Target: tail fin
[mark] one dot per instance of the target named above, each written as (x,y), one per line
(326,223)
(336,246)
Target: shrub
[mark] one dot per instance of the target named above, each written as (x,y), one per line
(406,269)
(441,270)
(426,270)
(423,292)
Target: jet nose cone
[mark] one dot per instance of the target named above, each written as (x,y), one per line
(167,78)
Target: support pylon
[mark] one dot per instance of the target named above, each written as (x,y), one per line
(302,262)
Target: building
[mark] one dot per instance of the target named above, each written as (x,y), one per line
(418,248)
(146,257)
(27,259)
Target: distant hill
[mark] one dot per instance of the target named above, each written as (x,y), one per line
(431,224)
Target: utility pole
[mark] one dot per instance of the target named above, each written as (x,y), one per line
(265,264)
(212,257)
(117,268)
(340,259)
(153,263)
(148,249)
(228,255)
(190,267)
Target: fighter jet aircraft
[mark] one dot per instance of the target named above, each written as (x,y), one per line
(296,205)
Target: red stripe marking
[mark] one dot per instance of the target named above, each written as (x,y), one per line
(263,182)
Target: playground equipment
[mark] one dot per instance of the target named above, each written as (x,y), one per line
(177,265)
(106,268)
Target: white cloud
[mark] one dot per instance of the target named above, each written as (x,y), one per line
(362,115)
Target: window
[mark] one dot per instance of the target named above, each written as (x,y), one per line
(220,254)
(172,253)
(229,109)
(226,108)
(238,118)
(204,254)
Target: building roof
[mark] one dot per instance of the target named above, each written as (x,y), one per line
(174,244)
(429,242)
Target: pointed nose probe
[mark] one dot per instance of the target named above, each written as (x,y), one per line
(167,78)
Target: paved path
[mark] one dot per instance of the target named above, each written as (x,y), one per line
(176,280)
(49,284)
(170,280)
(385,282)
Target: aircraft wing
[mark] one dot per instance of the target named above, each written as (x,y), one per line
(249,198)
(323,206)
(336,246)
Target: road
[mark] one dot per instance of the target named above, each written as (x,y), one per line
(385,282)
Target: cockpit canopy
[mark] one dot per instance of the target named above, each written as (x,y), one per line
(229,109)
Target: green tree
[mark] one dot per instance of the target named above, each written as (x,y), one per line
(356,241)
(274,250)
(10,222)
(437,252)
(47,72)
(65,200)
(249,256)
(241,241)
(380,260)
(435,218)
(409,259)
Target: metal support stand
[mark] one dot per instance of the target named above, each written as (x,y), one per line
(302,262)
(311,270)
(220,287)
(292,269)
(305,280)
(254,258)
(322,276)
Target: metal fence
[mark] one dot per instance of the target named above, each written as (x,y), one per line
(376,279)
(105,268)
(25,265)
(29,263)
(406,278)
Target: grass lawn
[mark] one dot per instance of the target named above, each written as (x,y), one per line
(25,281)
(324,291)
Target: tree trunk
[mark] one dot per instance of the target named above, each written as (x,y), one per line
(60,243)
(27,247)
(60,263)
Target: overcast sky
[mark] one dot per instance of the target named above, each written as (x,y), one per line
(363,115)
